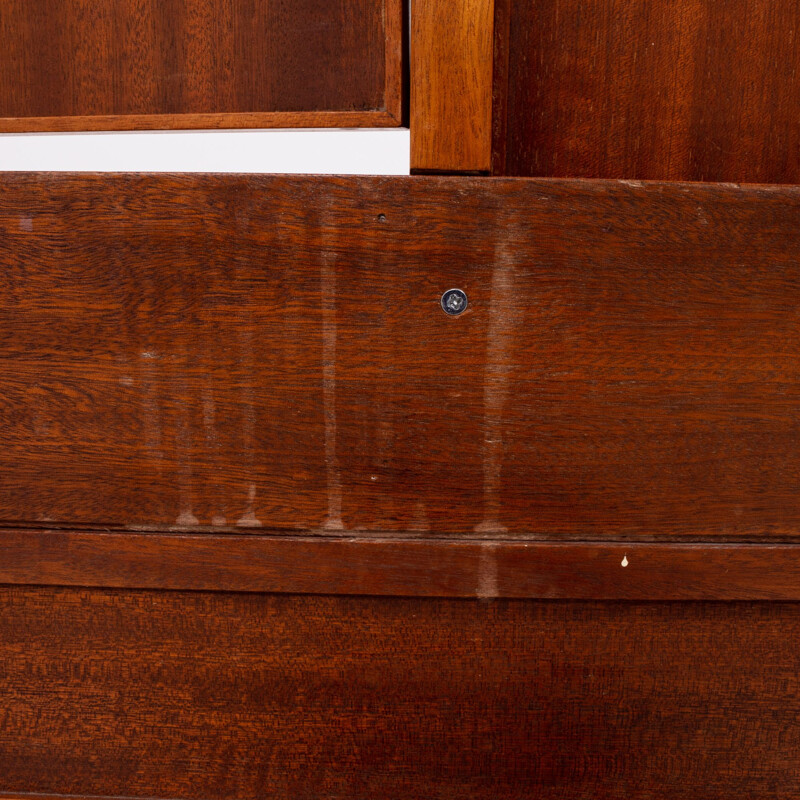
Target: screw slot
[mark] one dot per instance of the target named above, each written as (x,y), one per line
(454,302)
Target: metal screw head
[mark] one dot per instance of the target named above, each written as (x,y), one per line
(454,301)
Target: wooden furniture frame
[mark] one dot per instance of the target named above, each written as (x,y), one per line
(274,523)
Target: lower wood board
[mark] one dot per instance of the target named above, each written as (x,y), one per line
(246,697)
(255,353)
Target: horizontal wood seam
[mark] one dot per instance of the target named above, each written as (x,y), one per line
(401,567)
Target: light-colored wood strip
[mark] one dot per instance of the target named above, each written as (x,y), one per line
(451,85)
(269,119)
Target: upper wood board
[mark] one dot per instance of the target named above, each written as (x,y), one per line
(138,64)
(234,352)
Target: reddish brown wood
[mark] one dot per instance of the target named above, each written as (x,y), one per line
(695,90)
(212,352)
(129,64)
(401,567)
(153,694)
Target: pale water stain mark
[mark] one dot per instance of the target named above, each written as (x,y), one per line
(212,447)
(248,361)
(487,585)
(186,517)
(334,479)
(504,317)
(249,519)
(26,224)
(185,442)
(420,523)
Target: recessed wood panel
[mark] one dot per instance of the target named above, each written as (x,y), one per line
(244,353)
(240,697)
(696,90)
(117,64)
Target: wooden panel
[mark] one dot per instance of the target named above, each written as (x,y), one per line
(251,696)
(650,89)
(212,352)
(401,567)
(127,64)
(451,85)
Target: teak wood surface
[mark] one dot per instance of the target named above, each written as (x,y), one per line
(269,354)
(683,90)
(229,404)
(137,64)
(421,567)
(246,697)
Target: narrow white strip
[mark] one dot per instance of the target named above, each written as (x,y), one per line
(317,152)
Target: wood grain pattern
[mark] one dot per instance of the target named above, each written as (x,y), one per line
(693,90)
(241,697)
(252,352)
(451,85)
(138,64)
(420,567)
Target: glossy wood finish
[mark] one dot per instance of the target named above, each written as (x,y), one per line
(227,696)
(451,85)
(251,352)
(138,64)
(695,90)
(420,567)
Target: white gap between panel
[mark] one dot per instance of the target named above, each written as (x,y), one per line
(317,152)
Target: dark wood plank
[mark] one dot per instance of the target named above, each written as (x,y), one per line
(242,352)
(694,90)
(129,64)
(420,567)
(451,85)
(241,697)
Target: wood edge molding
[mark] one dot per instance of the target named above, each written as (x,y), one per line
(401,567)
(394,61)
(40,796)
(273,119)
(451,85)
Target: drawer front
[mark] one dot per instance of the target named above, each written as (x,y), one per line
(241,697)
(269,353)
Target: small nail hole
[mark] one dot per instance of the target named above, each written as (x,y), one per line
(381,217)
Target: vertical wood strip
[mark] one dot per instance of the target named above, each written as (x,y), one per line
(451,85)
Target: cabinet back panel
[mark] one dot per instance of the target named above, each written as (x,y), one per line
(694,90)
